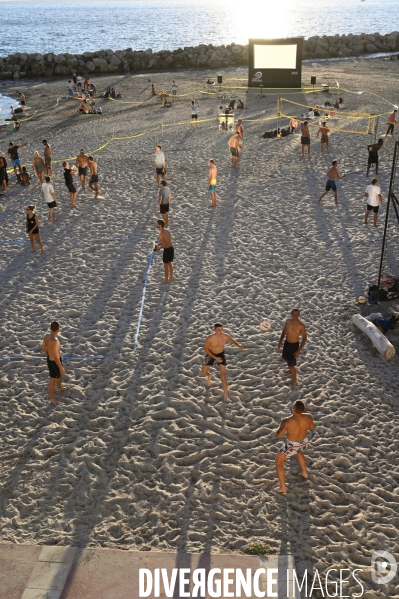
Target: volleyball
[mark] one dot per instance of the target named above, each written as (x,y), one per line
(265,324)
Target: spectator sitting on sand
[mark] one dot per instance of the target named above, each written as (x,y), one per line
(25,177)
(83,107)
(240,105)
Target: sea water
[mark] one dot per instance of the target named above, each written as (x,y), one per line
(76,27)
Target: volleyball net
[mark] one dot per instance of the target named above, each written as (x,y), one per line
(361,123)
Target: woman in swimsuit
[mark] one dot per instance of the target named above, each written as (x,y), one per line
(38,166)
(32,228)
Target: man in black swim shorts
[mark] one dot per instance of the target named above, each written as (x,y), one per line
(293,329)
(82,162)
(51,347)
(373,150)
(214,350)
(168,251)
(69,183)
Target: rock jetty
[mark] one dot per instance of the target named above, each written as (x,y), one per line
(22,65)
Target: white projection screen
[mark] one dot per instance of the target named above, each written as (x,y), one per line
(275,63)
(275,56)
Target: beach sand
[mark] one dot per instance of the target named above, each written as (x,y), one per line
(140,453)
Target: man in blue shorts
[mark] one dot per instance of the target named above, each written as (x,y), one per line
(332,175)
(14,157)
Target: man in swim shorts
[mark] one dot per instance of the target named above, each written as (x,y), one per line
(296,427)
(212,174)
(82,163)
(168,251)
(160,164)
(373,150)
(14,157)
(305,138)
(50,198)
(374,200)
(51,347)
(69,183)
(234,145)
(93,183)
(323,131)
(194,112)
(47,158)
(214,350)
(293,329)
(164,202)
(332,175)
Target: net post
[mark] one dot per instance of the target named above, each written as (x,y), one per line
(390,193)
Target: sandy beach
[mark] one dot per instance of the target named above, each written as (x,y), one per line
(140,453)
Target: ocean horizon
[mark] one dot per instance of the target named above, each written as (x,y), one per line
(29,26)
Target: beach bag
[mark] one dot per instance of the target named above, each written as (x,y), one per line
(373,293)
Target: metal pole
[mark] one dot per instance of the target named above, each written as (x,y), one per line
(390,193)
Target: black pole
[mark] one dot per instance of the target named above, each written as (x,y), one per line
(390,194)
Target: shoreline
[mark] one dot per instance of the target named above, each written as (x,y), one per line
(21,66)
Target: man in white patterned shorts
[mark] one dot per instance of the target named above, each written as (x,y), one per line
(296,427)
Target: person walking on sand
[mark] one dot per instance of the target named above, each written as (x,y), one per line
(305,138)
(240,131)
(234,145)
(168,251)
(174,89)
(296,427)
(373,150)
(160,164)
(194,112)
(374,201)
(212,174)
(153,92)
(293,329)
(323,131)
(93,183)
(47,158)
(51,347)
(38,166)
(82,164)
(164,202)
(332,175)
(214,351)
(391,122)
(50,198)
(68,172)
(3,173)
(32,228)
(14,156)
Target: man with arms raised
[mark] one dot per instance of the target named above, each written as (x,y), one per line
(373,150)
(293,329)
(214,349)
(51,347)
(296,427)
(82,162)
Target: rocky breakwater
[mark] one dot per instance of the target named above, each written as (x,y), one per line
(108,61)
(334,46)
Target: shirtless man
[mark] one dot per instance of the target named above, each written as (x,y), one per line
(47,158)
(93,183)
(212,174)
(214,349)
(323,131)
(234,146)
(293,329)
(168,251)
(332,175)
(373,150)
(51,347)
(293,124)
(305,138)
(296,427)
(240,131)
(81,163)
(22,101)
